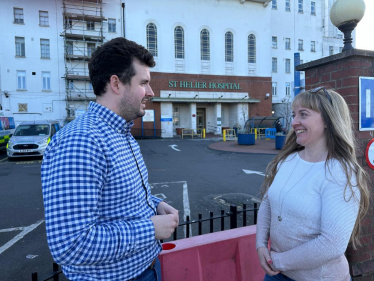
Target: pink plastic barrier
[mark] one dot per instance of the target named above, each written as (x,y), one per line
(227,255)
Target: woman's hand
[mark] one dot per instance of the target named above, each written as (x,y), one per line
(265,260)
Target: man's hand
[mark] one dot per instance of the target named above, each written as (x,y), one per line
(265,260)
(165,209)
(164,225)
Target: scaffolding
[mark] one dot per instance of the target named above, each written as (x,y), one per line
(82,32)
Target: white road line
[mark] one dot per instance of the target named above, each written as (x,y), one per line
(12,229)
(19,236)
(253,172)
(173,146)
(186,206)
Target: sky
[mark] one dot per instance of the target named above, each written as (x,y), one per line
(365,28)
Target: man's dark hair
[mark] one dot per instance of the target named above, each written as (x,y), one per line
(115,57)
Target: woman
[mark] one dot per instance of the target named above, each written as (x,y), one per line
(314,195)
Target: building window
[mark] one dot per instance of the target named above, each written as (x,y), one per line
(20,47)
(176,116)
(90,86)
(46,80)
(43,18)
(111,25)
(251,48)
(229,47)
(288,89)
(340,49)
(68,24)
(274,88)
(312,46)
(274,64)
(339,36)
(301,62)
(313,8)
(274,42)
(90,25)
(274,4)
(301,45)
(300,6)
(69,48)
(288,66)
(288,6)
(90,48)
(21,80)
(44,48)
(22,107)
(204,45)
(288,44)
(179,42)
(18,15)
(331,50)
(152,39)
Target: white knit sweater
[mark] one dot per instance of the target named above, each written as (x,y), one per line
(317,220)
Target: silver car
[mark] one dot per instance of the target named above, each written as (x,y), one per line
(31,138)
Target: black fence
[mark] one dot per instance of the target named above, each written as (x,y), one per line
(232,216)
(146,133)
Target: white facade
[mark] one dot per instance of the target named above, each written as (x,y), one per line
(32,86)
(43,92)
(310,25)
(218,17)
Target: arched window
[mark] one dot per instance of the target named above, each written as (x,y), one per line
(251,48)
(229,47)
(152,38)
(204,44)
(179,42)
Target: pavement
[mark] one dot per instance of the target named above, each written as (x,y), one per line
(261,146)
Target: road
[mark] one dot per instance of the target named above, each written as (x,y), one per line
(185,173)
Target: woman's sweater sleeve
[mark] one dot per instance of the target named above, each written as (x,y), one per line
(263,223)
(338,216)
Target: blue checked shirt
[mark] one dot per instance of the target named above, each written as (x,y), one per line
(97,199)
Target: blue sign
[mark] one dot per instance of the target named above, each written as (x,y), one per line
(296,74)
(366,106)
(166,119)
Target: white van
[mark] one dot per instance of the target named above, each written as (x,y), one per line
(31,138)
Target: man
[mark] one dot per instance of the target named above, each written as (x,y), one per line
(102,221)
(278,127)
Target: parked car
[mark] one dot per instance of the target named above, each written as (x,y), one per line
(7,127)
(31,138)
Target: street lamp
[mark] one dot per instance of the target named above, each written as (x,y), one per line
(345,15)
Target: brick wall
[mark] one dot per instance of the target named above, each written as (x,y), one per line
(341,73)
(257,87)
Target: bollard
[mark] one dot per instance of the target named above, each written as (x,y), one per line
(204,133)
(224,135)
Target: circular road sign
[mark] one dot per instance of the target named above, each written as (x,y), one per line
(369,154)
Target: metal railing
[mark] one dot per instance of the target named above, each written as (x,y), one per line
(232,215)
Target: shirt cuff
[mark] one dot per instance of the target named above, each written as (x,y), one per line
(144,233)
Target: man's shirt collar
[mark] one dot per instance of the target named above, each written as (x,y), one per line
(112,119)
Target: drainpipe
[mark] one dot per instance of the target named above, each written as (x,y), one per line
(123,15)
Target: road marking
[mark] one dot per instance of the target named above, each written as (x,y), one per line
(19,236)
(248,172)
(186,206)
(173,147)
(186,201)
(3,159)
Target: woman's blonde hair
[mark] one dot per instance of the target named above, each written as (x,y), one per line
(340,144)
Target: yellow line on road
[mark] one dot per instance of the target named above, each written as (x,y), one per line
(3,159)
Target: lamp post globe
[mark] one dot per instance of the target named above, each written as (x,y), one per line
(345,15)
